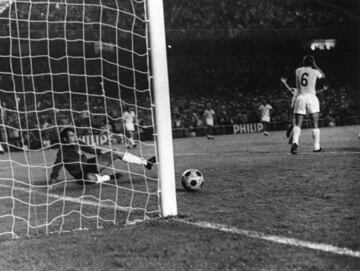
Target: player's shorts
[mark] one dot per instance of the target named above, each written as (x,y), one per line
(306,104)
(90,166)
(130,127)
(265,118)
(209,122)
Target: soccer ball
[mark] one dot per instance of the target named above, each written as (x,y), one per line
(192,179)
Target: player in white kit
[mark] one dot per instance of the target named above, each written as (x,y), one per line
(129,119)
(306,102)
(264,111)
(209,115)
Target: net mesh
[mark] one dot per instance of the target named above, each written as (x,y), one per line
(77,63)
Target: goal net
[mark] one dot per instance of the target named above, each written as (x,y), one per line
(80,64)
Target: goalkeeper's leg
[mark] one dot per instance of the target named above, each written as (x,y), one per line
(94,178)
(96,165)
(89,173)
(107,158)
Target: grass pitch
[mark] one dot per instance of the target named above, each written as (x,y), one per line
(252,184)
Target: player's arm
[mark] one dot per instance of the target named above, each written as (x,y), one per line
(321,72)
(297,78)
(124,115)
(315,66)
(325,87)
(284,81)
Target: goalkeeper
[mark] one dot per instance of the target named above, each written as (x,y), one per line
(72,155)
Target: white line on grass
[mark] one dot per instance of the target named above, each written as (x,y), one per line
(273,238)
(71,199)
(262,153)
(215,226)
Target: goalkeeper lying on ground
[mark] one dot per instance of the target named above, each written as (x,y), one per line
(72,155)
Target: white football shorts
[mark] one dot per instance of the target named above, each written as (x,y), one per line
(265,118)
(209,122)
(306,104)
(130,126)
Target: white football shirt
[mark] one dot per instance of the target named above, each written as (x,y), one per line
(265,111)
(306,79)
(209,116)
(129,117)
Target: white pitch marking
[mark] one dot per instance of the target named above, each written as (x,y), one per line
(262,153)
(273,238)
(71,199)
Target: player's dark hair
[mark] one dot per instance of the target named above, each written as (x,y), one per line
(64,133)
(308,61)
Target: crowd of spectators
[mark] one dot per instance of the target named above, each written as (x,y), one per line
(235,16)
(233,83)
(41,123)
(194,83)
(231,17)
(234,107)
(236,83)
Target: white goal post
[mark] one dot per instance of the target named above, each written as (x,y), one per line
(162,109)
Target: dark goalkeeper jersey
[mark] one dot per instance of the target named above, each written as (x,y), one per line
(73,157)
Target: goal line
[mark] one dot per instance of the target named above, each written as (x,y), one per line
(72,199)
(273,238)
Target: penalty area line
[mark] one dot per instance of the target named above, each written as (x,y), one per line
(69,199)
(273,238)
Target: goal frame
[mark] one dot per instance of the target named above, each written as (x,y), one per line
(160,84)
(158,197)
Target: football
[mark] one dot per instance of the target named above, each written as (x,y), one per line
(192,179)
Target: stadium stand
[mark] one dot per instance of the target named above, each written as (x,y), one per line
(233,81)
